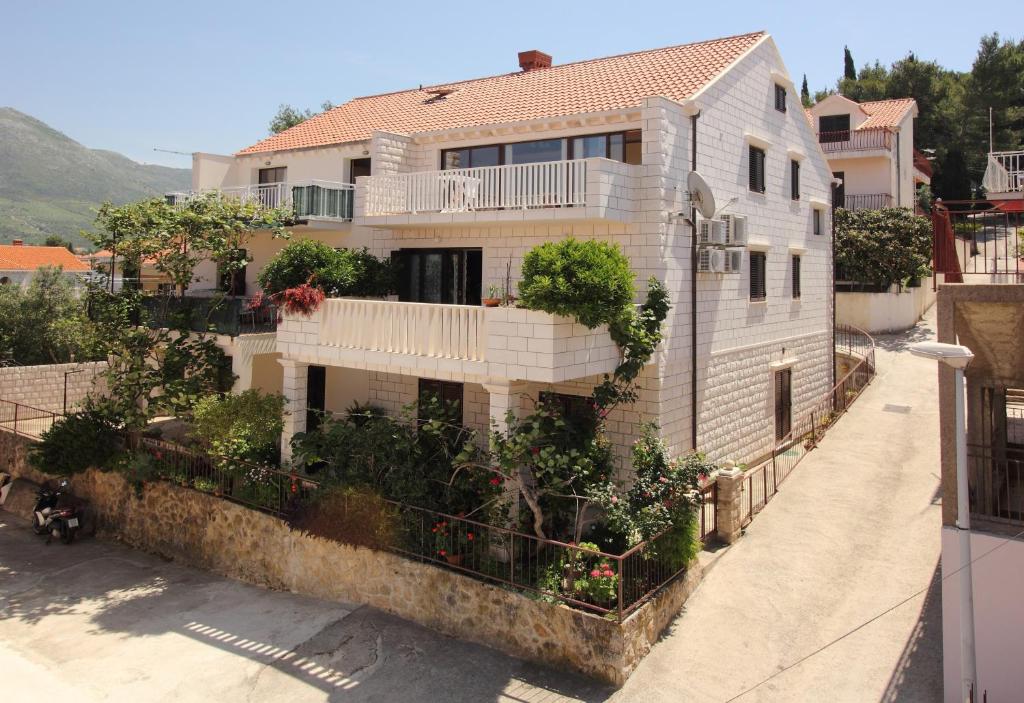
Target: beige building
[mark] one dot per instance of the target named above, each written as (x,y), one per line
(870,149)
(459,181)
(989,320)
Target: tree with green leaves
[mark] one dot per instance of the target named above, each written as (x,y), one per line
(805,93)
(287,116)
(849,69)
(882,247)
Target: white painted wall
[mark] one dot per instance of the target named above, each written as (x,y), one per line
(998,579)
(884,312)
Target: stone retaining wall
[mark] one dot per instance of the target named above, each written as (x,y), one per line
(228,539)
(43,386)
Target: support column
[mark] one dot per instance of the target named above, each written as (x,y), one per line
(730,494)
(504,396)
(294,387)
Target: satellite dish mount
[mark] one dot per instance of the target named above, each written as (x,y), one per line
(700,195)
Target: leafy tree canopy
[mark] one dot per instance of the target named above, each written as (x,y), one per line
(884,246)
(287,116)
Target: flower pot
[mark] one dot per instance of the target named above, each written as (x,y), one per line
(491,302)
(454,559)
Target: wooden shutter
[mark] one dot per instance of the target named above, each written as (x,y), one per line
(757,275)
(794,179)
(783,403)
(796,277)
(780,98)
(756,169)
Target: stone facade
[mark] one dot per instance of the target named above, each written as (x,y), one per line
(234,541)
(43,386)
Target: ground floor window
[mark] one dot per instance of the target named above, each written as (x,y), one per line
(316,396)
(448,392)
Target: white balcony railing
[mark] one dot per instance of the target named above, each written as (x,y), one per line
(313,198)
(856,140)
(1005,172)
(519,186)
(420,329)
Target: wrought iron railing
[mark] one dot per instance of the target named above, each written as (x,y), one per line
(996,483)
(222,314)
(983,239)
(25,420)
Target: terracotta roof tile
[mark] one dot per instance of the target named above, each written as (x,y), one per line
(885,113)
(597,85)
(29,258)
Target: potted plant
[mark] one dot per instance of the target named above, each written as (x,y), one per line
(493,298)
(451,545)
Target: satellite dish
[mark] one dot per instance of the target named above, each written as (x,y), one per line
(700,195)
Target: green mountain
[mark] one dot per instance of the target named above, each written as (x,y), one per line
(51,184)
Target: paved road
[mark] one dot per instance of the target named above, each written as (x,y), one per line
(855,529)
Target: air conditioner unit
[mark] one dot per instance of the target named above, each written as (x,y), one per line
(711,261)
(735,230)
(733,260)
(711,233)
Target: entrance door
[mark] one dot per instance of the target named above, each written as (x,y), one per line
(783,404)
(316,396)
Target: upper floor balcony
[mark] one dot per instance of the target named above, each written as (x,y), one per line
(1005,173)
(463,340)
(596,189)
(313,200)
(865,201)
(857,140)
(212,312)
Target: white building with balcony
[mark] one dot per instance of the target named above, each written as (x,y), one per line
(870,148)
(458,182)
(1004,177)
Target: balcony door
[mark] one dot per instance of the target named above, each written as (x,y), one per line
(833,128)
(446,276)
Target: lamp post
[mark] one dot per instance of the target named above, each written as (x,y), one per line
(958,357)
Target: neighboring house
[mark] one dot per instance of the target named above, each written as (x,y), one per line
(458,181)
(987,319)
(870,149)
(19,263)
(148,278)
(1004,178)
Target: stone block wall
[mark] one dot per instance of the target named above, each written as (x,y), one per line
(234,541)
(43,386)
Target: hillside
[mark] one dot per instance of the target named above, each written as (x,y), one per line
(51,184)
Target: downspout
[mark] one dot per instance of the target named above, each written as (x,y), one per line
(899,174)
(693,289)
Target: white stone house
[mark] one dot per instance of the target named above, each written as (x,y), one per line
(458,180)
(870,149)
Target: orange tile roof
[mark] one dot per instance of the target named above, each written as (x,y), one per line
(28,258)
(885,113)
(597,85)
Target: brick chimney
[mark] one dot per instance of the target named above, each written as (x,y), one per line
(17,242)
(532,60)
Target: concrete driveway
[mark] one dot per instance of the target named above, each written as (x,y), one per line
(854,530)
(102,622)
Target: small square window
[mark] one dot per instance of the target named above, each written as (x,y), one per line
(756,169)
(758,263)
(780,98)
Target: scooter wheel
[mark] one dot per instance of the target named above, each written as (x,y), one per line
(67,534)
(40,529)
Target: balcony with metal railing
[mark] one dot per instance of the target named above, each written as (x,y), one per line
(216,313)
(310,200)
(574,190)
(857,140)
(1004,174)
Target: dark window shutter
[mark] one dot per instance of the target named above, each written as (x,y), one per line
(756,169)
(757,275)
(780,98)
(796,277)
(816,220)
(783,403)
(794,177)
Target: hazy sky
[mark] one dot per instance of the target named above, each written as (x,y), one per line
(207,76)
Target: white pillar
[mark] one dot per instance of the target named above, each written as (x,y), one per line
(504,396)
(294,387)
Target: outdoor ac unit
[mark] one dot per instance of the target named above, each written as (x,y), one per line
(733,260)
(711,233)
(711,261)
(735,230)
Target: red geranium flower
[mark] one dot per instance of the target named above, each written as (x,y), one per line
(535,450)
(595,573)
(442,552)
(609,573)
(495,481)
(469,536)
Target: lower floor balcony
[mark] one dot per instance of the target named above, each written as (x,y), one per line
(309,200)
(215,313)
(865,201)
(463,341)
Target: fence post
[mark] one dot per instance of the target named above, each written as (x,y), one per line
(729,494)
(15,419)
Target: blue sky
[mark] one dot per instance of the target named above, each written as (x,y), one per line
(207,76)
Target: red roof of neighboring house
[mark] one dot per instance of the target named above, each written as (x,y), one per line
(597,85)
(885,113)
(17,257)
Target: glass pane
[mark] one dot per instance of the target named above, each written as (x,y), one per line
(485,156)
(590,147)
(615,152)
(456,158)
(634,152)
(412,270)
(430,288)
(533,152)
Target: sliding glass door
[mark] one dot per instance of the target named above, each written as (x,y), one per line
(447,276)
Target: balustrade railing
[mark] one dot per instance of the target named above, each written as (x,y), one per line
(519,186)
(421,329)
(1004,172)
(855,140)
(309,199)
(869,201)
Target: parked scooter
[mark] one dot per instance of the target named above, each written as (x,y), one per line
(52,520)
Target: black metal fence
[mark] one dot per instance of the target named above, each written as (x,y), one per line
(979,238)
(230,315)
(25,420)
(996,483)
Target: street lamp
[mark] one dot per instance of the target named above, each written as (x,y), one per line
(958,357)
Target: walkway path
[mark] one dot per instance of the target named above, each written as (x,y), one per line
(854,530)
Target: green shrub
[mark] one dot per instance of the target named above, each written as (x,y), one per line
(351,515)
(336,272)
(587,280)
(245,426)
(884,246)
(85,439)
